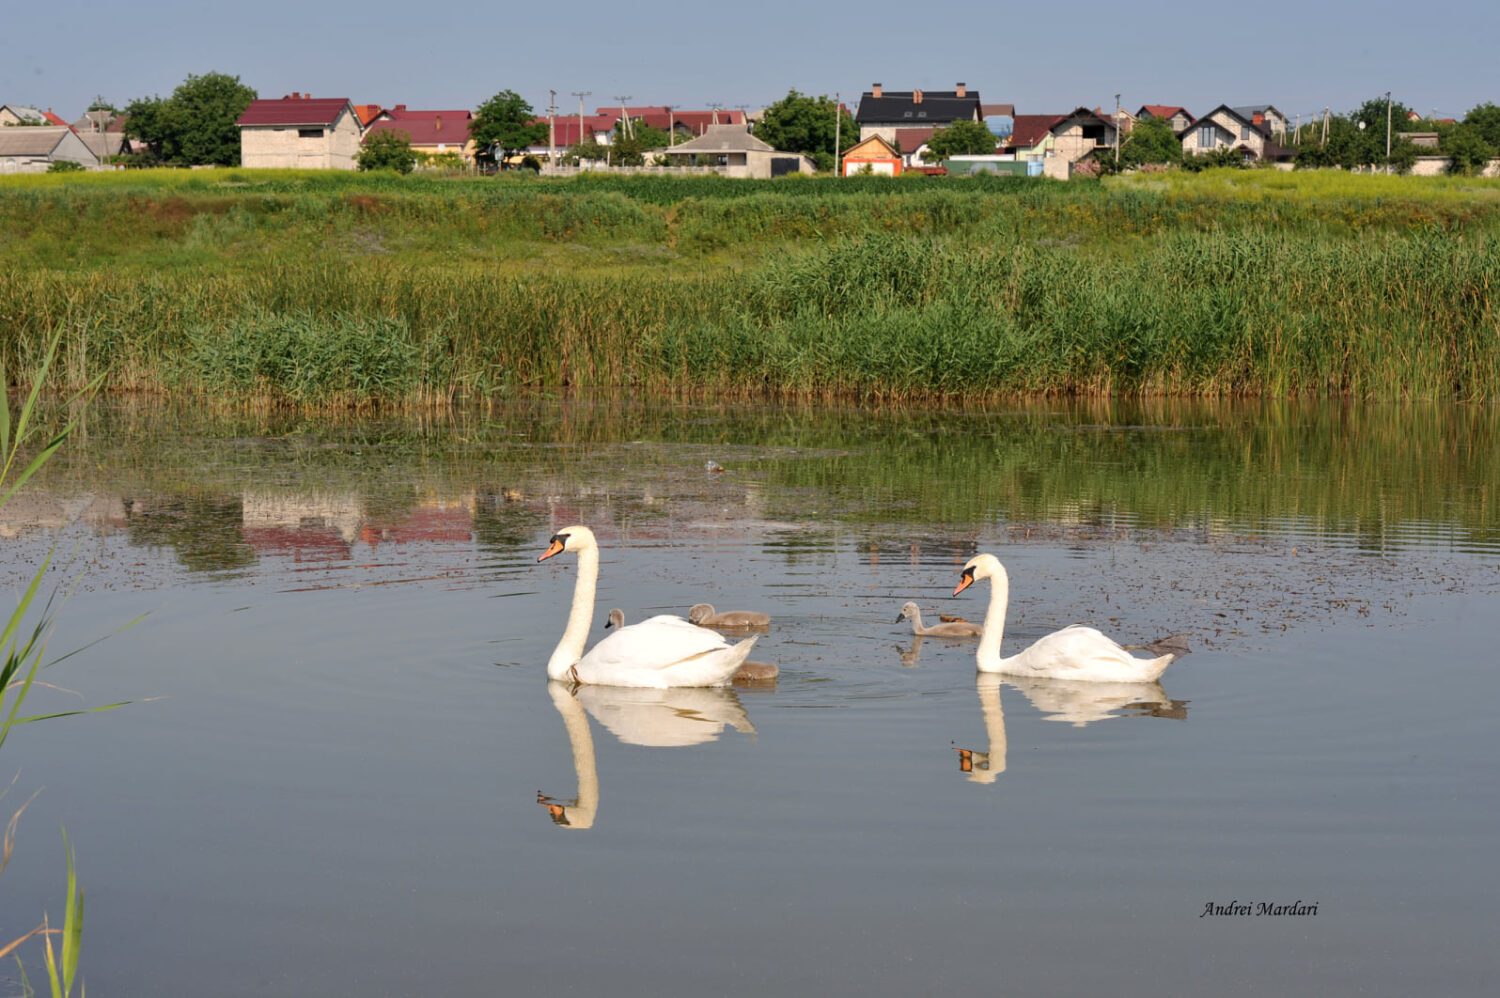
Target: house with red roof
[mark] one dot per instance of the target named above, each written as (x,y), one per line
(300,131)
(1058,140)
(1178,117)
(433,133)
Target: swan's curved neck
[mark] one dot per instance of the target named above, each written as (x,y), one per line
(917,627)
(994,623)
(570,649)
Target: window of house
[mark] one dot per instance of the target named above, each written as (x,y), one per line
(309,133)
(1244,131)
(906,114)
(1205,136)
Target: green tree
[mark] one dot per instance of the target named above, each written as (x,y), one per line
(1468,150)
(1485,118)
(798,123)
(1347,145)
(633,141)
(506,122)
(962,138)
(389,149)
(196,125)
(1152,140)
(1373,113)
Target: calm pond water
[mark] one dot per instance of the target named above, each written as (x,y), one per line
(336,777)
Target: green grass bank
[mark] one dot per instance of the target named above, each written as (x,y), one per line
(347,289)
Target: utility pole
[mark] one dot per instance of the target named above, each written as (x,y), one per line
(838,119)
(552,129)
(671,128)
(1117,131)
(625,115)
(715,108)
(1388,131)
(1324,142)
(580,94)
(1297,135)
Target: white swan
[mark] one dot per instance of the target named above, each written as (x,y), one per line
(658,652)
(748,672)
(945,629)
(703,615)
(1076,652)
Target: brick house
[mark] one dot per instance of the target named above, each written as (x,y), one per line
(300,132)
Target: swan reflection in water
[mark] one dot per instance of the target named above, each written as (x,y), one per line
(1075,702)
(674,717)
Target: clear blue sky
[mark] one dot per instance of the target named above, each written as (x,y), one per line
(1301,57)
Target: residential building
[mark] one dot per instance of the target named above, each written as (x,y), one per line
(103,132)
(1226,128)
(737,153)
(1177,117)
(34,149)
(300,131)
(1265,117)
(1060,139)
(882,112)
(15,114)
(432,133)
(873,155)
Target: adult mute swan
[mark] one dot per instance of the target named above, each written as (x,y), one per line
(946,629)
(658,652)
(1076,652)
(748,672)
(703,615)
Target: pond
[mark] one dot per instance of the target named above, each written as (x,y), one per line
(345,771)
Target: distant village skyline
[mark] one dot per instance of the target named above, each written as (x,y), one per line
(1301,59)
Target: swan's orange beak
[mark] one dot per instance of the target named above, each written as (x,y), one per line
(555,547)
(965,760)
(965,582)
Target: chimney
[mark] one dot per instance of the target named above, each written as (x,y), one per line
(399,107)
(875,91)
(963,90)
(916,96)
(295,96)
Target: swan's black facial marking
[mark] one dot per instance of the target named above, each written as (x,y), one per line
(557,545)
(966,581)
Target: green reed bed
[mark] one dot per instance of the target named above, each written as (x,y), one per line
(321,290)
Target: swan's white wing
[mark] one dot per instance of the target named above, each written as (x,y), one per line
(660,651)
(656,642)
(1083,653)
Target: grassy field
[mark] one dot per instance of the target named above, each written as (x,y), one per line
(328,288)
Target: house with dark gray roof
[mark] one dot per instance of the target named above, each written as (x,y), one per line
(1264,116)
(1227,128)
(882,112)
(33,149)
